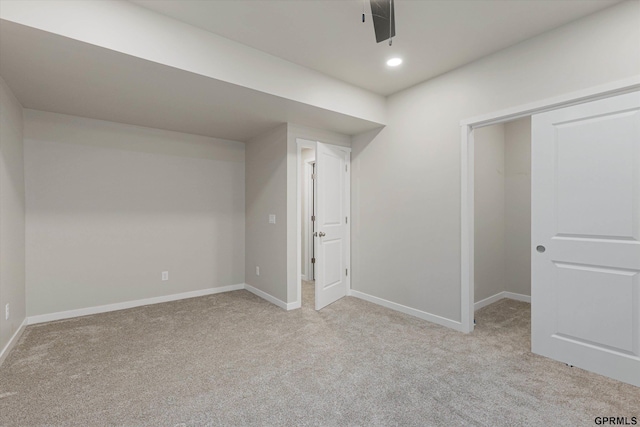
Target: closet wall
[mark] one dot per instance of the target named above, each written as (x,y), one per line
(503,209)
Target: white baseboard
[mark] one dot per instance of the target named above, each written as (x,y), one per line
(443,321)
(485,302)
(32,320)
(518,297)
(272,299)
(294,305)
(12,341)
(500,295)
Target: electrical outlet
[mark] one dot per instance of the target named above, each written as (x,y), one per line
(6,312)
(272,219)
(257,270)
(165,275)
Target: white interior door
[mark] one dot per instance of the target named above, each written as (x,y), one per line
(586,236)
(331,224)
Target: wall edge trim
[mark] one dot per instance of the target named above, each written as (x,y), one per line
(273,300)
(501,295)
(433,318)
(12,341)
(68,314)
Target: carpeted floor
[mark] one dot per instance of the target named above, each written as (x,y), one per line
(233,359)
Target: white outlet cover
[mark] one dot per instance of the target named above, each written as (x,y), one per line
(272,219)
(165,275)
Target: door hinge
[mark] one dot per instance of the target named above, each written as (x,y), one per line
(346,271)
(346,220)
(313,217)
(313,260)
(313,176)
(345,168)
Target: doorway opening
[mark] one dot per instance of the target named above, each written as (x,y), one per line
(502,233)
(584,162)
(468,128)
(307,165)
(322,223)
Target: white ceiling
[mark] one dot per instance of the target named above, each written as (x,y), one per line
(53,73)
(433,36)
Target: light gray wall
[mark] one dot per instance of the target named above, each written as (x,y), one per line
(111,206)
(266,193)
(406,214)
(517,187)
(489,211)
(294,132)
(12,215)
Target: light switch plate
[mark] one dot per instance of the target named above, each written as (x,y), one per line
(272,219)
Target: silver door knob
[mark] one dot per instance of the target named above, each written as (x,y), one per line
(321,234)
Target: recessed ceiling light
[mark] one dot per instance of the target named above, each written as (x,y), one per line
(394,62)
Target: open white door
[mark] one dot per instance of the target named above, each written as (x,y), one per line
(331,224)
(586,236)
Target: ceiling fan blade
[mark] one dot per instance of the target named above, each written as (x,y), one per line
(384,15)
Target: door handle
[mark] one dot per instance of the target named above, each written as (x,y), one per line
(321,234)
(540,248)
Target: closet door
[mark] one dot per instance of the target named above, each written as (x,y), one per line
(586,236)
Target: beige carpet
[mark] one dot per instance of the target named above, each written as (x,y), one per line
(234,360)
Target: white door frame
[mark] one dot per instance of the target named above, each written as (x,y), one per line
(305,143)
(467,127)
